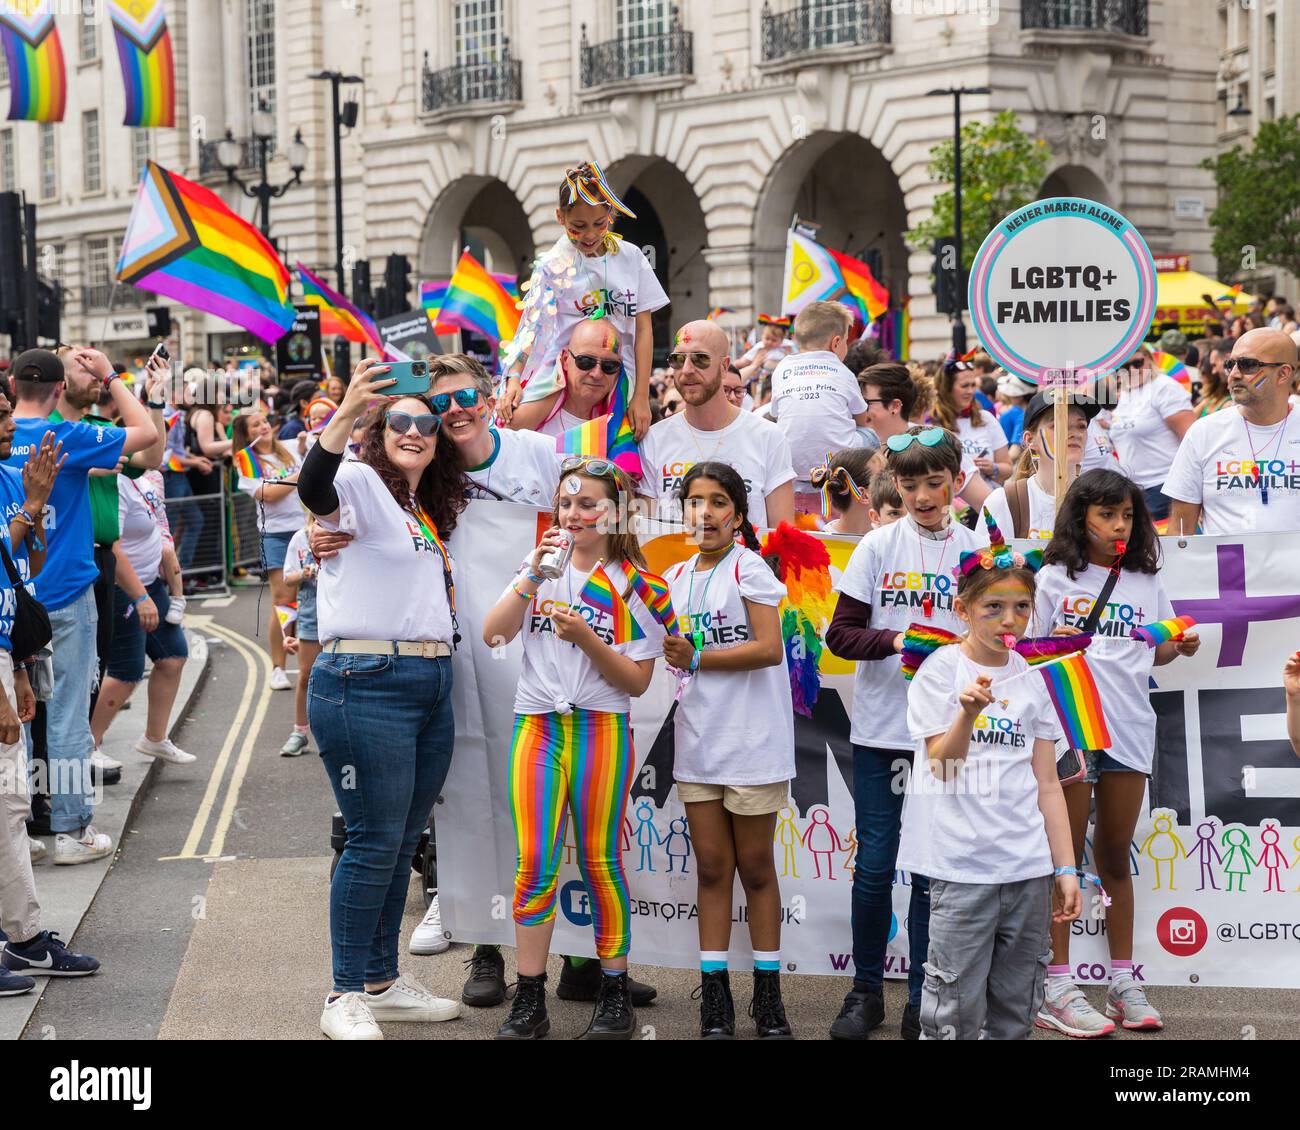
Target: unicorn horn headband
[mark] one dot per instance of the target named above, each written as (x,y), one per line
(587,183)
(998,555)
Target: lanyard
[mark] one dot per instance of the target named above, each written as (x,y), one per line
(1277,438)
(697,637)
(927,597)
(430,533)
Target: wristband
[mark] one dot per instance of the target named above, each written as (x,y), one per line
(520,592)
(22,516)
(531,576)
(156,407)
(695,661)
(140,599)
(1085,877)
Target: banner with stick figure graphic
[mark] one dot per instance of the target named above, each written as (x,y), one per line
(1215,858)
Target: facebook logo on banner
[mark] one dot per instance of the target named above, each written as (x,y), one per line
(575,903)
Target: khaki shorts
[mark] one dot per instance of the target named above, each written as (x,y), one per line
(742,800)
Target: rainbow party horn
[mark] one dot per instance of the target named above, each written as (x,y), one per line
(1036,651)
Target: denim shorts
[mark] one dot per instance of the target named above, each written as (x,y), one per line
(307,613)
(1098,761)
(275,548)
(130,641)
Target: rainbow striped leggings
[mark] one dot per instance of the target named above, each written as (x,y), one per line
(579,762)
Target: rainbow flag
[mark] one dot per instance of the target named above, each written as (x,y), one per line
(1232,296)
(247,465)
(871,298)
(432,296)
(816,273)
(38,85)
(1168,364)
(1074,695)
(286,614)
(920,641)
(655,594)
(1163,631)
(606,437)
(144,49)
(174,462)
(601,594)
(337,314)
(477,301)
(183,242)
(718,311)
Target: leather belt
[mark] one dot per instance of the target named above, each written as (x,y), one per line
(420,649)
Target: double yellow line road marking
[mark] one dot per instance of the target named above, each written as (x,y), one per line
(255,698)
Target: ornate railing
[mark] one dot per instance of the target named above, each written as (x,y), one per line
(816,24)
(1126,17)
(209,164)
(499,80)
(670,53)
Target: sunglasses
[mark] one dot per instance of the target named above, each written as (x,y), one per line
(465,398)
(588,465)
(426,424)
(699,360)
(586,362)
(931,437)
(1249,366)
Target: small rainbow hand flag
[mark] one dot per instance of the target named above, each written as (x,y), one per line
(920,641)
(174,462)
(1046,648)
(655,595)
(1163,631)
(1074,695)
(601,594)
(606,437)
(1168,364)
(286,614)
(247,465)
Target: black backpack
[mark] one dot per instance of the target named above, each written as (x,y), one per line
(31,630)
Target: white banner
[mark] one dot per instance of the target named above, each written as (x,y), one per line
(1215,857)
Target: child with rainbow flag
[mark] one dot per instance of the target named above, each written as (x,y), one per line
(1102,575)
(587,653)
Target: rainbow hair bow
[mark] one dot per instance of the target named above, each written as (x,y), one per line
(824,476)
(778,321)
(587,183)
(998,555)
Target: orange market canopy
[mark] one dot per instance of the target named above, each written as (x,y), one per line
(1180,298)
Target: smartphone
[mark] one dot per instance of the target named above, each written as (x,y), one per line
(160,351)
(412,378)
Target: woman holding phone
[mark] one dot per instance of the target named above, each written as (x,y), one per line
(379,697)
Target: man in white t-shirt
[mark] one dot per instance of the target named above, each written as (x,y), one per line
(815,399)
(1238,470)
(710,428)
(589,368)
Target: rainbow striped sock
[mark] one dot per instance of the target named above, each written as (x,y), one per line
(713,961)
(767,962)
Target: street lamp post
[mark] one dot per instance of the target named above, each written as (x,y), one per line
(263,191)
(958,320)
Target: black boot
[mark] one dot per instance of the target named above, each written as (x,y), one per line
(767,1008)
(486,985)
(613,1018)
(717,1012)
(582,983)
(910,1029)
(527,1019)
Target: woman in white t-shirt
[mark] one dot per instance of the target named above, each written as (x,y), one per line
(267,472)
(589,647)
(956,409)
(1102,510)
(379,696)
(1148,423)
(735,685)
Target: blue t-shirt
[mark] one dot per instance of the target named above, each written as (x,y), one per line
(1013,423)
(984,402)
(70,548)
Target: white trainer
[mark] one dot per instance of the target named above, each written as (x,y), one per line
(165,750)
(407,999)
(84,848)
(100,760)
(349,1018)
(36,848)
(427,937)
(176,610)
(279,680)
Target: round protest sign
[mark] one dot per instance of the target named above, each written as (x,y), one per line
(1062,284)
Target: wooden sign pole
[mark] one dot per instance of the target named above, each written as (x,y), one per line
(1060,446)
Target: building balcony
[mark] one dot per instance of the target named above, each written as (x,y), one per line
(473,88)
(96,296)
(210,163)
(843,27)
(1109,17)
(656,61)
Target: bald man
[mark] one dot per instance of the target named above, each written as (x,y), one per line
(712,429)
(1238,470)
(591,365)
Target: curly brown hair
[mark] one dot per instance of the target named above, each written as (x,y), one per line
(441,490)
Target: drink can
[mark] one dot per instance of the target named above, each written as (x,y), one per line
(556,559)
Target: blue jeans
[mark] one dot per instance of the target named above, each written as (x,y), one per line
(1157,502)
(67,714)
(176,484)
(385,730)
(878,789)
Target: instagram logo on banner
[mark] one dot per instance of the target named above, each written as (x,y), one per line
(1182,931)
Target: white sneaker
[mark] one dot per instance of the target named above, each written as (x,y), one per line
(407,999)
(36,848)
(349,1018)
(165,750)
(85,848)
(279,680)
(427,937)
(176,612)
(101,760)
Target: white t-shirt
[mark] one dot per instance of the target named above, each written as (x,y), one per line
(983,442)
(1215,468)
(891,569)
(756,449)
(1098,451)
(814,399)
(298,556)
(1042,512)
(560,422)
(389,583)
(981,824)
(525,467)
(1145,444)
(625,285)
(138,503)
(284,515)
(558,674)
(1120,665)
(720,712)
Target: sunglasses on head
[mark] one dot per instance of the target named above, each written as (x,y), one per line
(1249,366)
(930,437)
(426,424)
(588,465)
(699,360)
(586,362)
(464,397)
